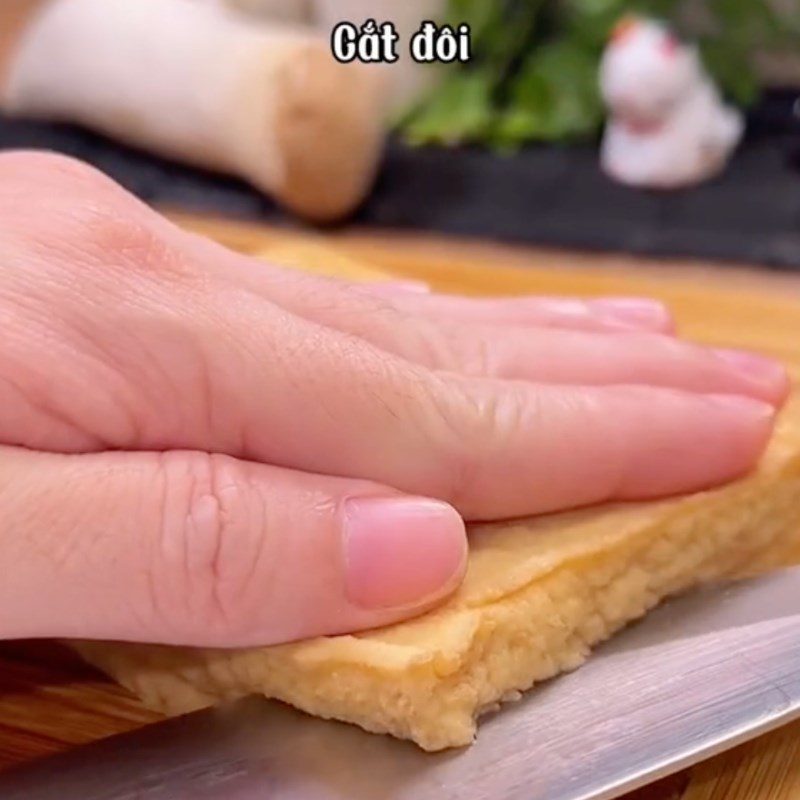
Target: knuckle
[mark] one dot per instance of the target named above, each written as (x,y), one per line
(114,237)
(442,346)
(124,241)
(435,345)
(482,426)
(85,222)
(457,417)
(475,357)
(208,574)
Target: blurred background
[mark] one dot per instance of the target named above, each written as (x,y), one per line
(576,124)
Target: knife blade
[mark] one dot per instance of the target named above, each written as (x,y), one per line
(700,674)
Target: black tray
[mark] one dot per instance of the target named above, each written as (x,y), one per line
(542,195)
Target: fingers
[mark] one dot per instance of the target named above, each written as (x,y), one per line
(335,405)
(501,340)
(577,357)
(264,385)
(207,365)
(547,448)
(333,302)
(218,369)
(315,399)
(605,314)
(186,548)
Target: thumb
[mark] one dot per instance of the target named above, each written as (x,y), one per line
(205,550)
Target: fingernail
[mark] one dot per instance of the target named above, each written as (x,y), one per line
(753,365)
(635,311)
(757,409)
(401,551)
(400,287)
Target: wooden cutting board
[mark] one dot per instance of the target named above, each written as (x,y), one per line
(49,701)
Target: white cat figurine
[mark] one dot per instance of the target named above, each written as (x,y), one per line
(668,126)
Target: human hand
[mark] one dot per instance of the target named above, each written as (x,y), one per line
(201,449)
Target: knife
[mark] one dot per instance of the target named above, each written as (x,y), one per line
(700,674)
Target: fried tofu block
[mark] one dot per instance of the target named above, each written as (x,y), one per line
(538,595)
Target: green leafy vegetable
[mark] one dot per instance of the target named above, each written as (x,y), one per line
(534,72)
(538,107)
(461,110)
